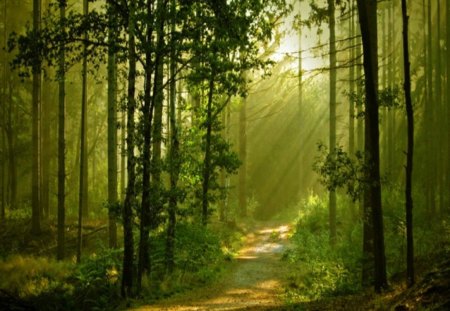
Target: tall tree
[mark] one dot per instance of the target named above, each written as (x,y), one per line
(410,151)
(437,111)
(61,138)
(174,160)
(112,129)
(129,203)
(367,10)
(448,104)
(3,121)
(82,194)
(207,167)
(429,113)
(351,111)
(301,167)
(333,77)
(36,94)
(243,158)
(152,116)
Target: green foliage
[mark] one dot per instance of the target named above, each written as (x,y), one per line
(317,269)
(338,170)
(103,267)
(199,257)
(32,276)
(390,97)
(52,285)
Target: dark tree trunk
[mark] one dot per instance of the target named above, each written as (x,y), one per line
(123,124)
(437,137)
(129,203)
(112,133)
(429,117)
(372,194)
(333,76)
(409,153)
(148,204)
(3,122)
(61,144)
(35,200)
(351,110)
(84,155)
(174,156)
(82,197)
(45,150)
(207,158)
(12,168)
(448,107)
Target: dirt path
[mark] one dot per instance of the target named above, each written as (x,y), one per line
(253,283)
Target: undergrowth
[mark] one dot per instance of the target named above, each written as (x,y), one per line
(319,271)
(42,283)
(199,257)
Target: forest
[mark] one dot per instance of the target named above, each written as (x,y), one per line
(225,155)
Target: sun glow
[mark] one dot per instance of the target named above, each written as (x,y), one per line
(288,50)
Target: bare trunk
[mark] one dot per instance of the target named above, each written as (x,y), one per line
(128,241)
(333,76)
(372,193)
(207,158)
(112,136)
(36,101)
(174,156)
(61,145)
(448,107)
(243,158)
(82,194)
(409,153)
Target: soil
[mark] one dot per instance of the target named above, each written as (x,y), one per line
(253,282)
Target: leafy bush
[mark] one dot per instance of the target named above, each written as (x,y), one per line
(197,248)
(318,270)
(97,280)
(199,254)
(31,276)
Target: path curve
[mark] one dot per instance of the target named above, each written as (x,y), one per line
(253,282)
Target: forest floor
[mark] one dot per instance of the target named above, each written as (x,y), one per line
(253,282)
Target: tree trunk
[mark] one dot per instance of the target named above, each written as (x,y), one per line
(223,174)
(112,133)
(149,204)
(174,156)
(123,167)
(372,192)
(82,196)
(128,241)
(45,150)
(84,159)
(351,110)
(12,168)
(207,158)
(243,158)
(429,115)
(3,122)
(300,160)
(448,106)
(35,215)
(333,76)
(61,143)
(409,153)
(437,137)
